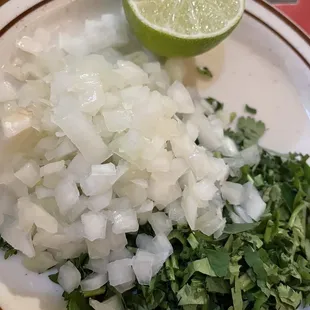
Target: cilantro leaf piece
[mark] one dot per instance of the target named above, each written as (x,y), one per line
(232,229)
(288,296)
(54,277)
(219,261)
(205,71)
(250,110)
(10,253)
(76,301)
(248,132)
(9,250)
(253,259)
(202,266)
(217,285)
(189,295)
(216,105)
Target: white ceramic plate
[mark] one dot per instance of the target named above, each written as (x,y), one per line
(265,63)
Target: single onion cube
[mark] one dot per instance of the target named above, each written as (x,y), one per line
(161,244)
(18,239)
(253,204)
(29,174)
(100,202)
(98,265)
(52,168)
(233,192)
(40,263)
(120,272)
(66,195)
(95,225)
(142,265)
(94,185)
(83,136)
(125,221)
(93,282)
(251,155)
(7,91)
(65,148)
(106,169)
(181,96)
(98,249)
(69,277)
(144,241)
(205,190)
(160,223)
(119,254)
(44,192)
(79,167)
(117,241)
(113,303)
(14,124)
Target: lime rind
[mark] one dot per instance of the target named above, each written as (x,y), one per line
(189,19)
(165,43)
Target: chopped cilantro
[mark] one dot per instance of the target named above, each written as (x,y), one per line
(8,249)
(250,110)
(205,71)
(216,105)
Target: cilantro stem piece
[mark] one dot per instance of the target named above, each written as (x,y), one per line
(97,292)
(296,212)
(192,241)
(268,231)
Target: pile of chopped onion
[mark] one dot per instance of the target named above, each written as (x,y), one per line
(96,142)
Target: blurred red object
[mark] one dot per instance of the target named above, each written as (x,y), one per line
(299,13)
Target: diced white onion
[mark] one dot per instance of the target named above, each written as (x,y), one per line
(233,192)
(125,221)
(253,205)
(52,168)
(43,192)
(120,272)
(100,202)
(29,174)
(98,265)
(113,303)
(181,96)
(93,282)
(97,141)
(66,195)
(160,223)
(251,155)
(40,263)
(95,225)
(69,277)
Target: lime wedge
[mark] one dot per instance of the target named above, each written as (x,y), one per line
(180,28)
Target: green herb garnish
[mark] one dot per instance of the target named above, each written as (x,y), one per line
(216,105)
(248,132)
(8,249)
(205,71)
(250,110)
